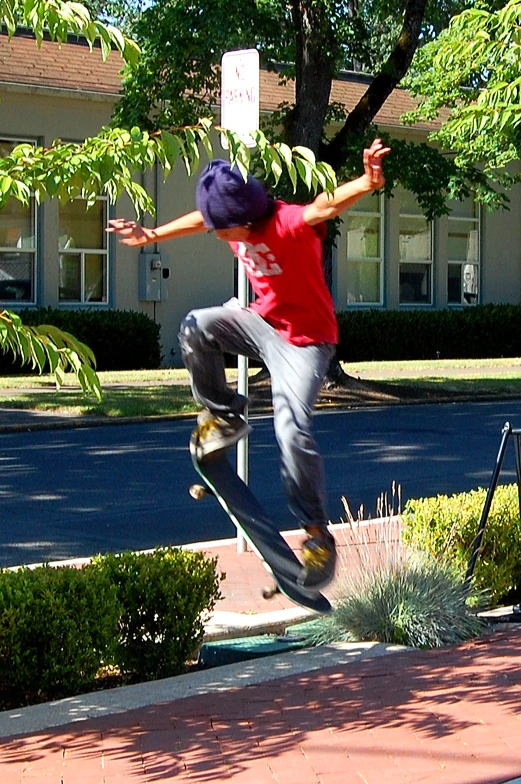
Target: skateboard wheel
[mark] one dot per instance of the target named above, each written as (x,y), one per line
(270,591)
(198,492)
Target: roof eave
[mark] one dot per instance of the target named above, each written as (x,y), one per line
(58,92)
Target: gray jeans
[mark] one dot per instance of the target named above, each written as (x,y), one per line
(296,373)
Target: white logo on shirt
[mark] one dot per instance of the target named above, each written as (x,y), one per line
(259,259)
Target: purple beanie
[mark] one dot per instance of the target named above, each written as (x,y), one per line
(226,200)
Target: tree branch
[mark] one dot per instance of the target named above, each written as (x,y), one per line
(382,85)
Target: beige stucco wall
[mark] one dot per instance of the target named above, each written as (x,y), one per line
(501,247)
(201,269)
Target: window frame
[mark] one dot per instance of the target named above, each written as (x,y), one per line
(459,263)
(34,250)
(420,261)
(83,253)
(380,260)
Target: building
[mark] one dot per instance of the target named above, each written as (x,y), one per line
(387,256)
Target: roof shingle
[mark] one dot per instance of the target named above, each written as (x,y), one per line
(70,66)
(73,66)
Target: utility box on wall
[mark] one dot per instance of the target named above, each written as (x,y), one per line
(150,277)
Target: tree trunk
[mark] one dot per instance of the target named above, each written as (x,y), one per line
(314,70)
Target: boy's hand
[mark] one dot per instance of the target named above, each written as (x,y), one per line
(373,163)
(130,232)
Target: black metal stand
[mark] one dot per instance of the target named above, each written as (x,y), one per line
(507,431)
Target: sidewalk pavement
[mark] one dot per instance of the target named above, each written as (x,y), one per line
(342,714)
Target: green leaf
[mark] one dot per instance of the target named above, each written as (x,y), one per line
(52,184)
(273,164)
(305,171)
(14,318)
(53,355)
(106,167)
(59,375)
(171,146)
(117,36)
(285,153)
(207,144)
(90,381)
(5,184)
(39,353)
(191,143)
(306,153)
(292,171)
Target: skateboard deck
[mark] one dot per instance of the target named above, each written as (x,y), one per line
(258,529)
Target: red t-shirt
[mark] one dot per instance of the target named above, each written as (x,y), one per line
(283,262)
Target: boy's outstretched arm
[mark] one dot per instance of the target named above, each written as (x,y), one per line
(131,233)
(329,205)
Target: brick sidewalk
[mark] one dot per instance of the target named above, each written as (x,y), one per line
(450,716)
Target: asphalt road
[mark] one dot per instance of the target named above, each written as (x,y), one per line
(72,493)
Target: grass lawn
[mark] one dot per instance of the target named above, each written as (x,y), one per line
(163,392)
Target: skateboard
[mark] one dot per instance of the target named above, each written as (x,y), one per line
(221,480)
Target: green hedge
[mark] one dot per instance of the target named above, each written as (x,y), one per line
(120,339)
(447,525)
(57,627)
(140,613)
(484,331)
(164,599)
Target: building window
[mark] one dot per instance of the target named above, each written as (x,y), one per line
(365,251)
(83,251)
(463,244)
(17,244)
(415,252)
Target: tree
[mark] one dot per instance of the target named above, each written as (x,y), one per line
(176,79)
(104,164)
(310,41)
(121,13)
(170,86)
(47,347)
(474,69)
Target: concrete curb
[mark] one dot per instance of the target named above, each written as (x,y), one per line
(38,718)
(38,420)
(221,626)
(29,420)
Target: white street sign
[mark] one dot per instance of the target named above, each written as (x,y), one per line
(240,94)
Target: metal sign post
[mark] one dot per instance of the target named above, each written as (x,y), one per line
(240,113)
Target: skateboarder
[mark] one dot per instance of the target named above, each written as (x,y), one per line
(291,326)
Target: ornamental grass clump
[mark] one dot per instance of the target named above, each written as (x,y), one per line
(414,600)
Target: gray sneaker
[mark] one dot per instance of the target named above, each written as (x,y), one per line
(319,556)
(216,432)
